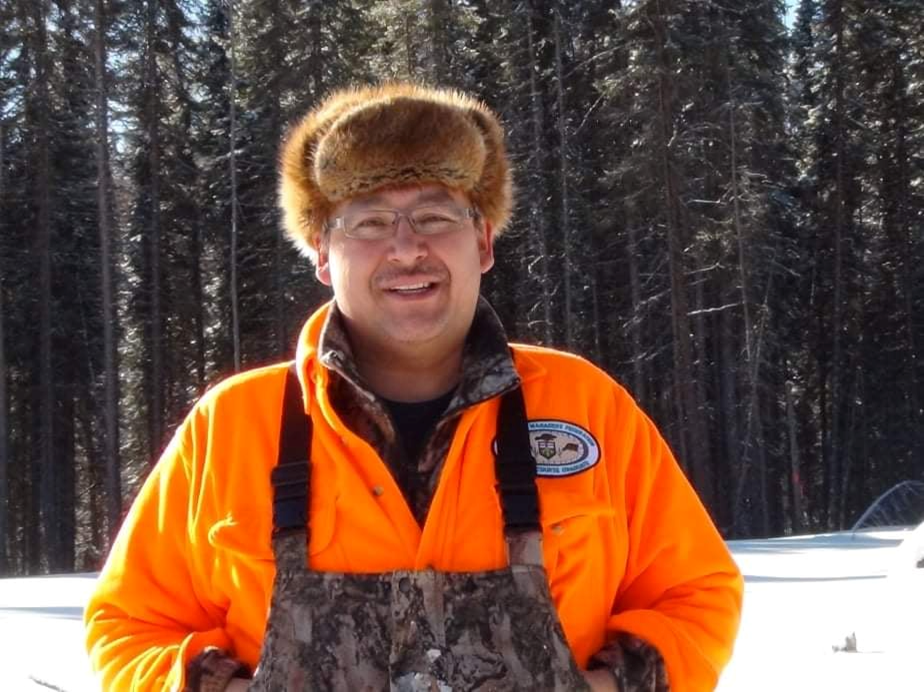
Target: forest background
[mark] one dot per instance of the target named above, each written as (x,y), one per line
(722,208)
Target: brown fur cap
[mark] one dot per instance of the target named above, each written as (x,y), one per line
(366,139)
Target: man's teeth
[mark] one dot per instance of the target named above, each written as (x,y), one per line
(413,287)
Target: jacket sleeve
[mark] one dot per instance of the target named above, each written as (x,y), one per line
(145,619)
(682,591)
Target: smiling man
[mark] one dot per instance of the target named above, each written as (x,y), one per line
(406,292)
(413,503)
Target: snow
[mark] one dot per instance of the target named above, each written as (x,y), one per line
(41,633)
(804,597)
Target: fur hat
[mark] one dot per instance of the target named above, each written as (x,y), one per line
(366,139)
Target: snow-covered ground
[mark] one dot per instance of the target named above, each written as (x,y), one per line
(41,634)
(830,612)
(805,597)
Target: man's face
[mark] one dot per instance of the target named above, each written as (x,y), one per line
(409,290)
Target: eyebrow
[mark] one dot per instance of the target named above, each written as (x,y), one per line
(435,196)
(428,196)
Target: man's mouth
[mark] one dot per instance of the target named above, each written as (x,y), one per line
(410,289)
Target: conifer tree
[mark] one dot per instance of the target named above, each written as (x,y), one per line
(215,145)
(165,221)
(105,219)
(75,285)
(6,43)
(735,238)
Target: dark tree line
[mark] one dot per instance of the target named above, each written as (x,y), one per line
(725,212)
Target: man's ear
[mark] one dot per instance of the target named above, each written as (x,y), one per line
(486,246)
(322,266)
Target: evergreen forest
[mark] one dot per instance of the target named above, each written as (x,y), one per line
(720,203)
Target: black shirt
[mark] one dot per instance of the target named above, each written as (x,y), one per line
(414,421)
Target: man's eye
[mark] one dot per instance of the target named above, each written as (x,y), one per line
(372,222)
(434,218)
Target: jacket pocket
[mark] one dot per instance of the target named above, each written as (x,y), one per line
(572,532)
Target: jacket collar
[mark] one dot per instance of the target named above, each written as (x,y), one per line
(488,368)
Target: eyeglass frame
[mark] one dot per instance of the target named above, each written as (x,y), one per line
(470,212)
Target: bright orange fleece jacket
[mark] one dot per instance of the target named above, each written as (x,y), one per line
(628,545)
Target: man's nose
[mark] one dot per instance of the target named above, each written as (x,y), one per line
(407,246)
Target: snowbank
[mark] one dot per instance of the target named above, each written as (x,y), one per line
(827,612)
(41,633)
(823,612)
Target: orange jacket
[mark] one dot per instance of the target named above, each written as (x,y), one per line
(628,546)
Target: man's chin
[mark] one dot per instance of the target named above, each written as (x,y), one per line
(420,333)
(420,336)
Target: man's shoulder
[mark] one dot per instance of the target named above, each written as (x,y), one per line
(556,362)
(552,369)
(250,386)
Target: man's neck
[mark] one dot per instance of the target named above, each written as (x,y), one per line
(409,377)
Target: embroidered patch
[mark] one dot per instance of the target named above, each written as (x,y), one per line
(560,448)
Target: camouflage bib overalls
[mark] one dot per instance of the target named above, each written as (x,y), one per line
(410,631)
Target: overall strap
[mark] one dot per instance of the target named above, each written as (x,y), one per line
(292,473)
(515,467)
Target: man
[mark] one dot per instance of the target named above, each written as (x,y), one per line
(414,504)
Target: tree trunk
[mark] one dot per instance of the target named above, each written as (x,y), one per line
(595,317)
(739,234)
(152,115)
(111,461)
(280,270)
(540,257)
(854,428)
(438,16)
(798,501)
(834,462)
(639,389)
(63,560)
(729,369)
(753,418)
(4,411)
(232,163)
(763,477)
(567,264)
(908,232)
(684,384)
(198,295)
(699,372)
(409,45)
(97,504)
(42,200)
(914,358)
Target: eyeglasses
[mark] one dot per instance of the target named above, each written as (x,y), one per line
(379,224)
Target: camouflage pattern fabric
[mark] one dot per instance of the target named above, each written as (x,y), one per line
(487,371)
(411,631)
(637,665)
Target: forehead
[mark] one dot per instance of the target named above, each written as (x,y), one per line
(407,196)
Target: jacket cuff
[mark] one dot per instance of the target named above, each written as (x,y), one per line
(636,664)
(212,670)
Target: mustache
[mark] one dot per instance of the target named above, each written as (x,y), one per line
(423,270)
